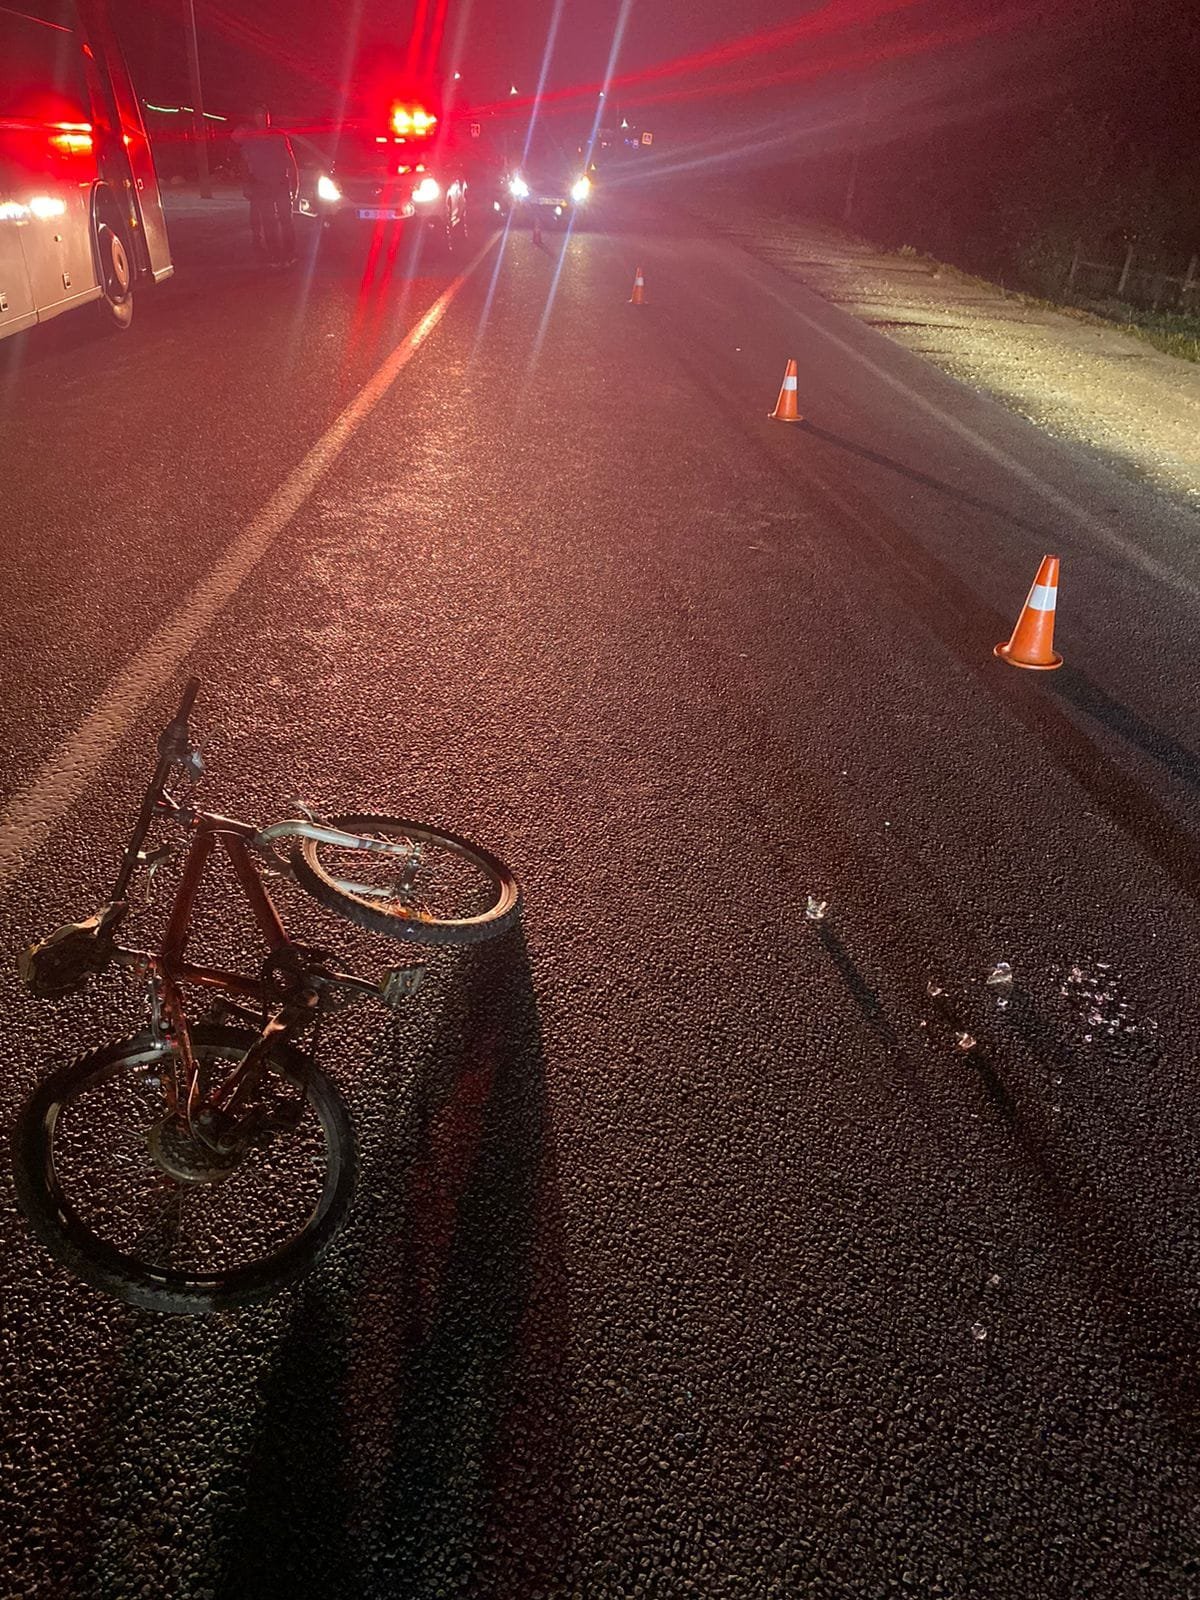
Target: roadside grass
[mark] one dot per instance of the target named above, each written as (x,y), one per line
(1177,335)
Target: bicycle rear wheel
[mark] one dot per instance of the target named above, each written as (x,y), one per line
(124,1197)
(440,890)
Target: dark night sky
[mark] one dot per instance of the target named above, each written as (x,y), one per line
(296,51)
(1008,63)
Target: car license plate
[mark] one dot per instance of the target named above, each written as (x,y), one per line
(545,202)
(381,214)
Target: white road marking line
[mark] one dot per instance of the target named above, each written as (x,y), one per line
(37,808)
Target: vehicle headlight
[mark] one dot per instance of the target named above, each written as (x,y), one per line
(518,188)
(428,189)
(327,189)
(581,190)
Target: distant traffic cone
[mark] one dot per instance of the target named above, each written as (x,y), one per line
(638,297)
(1032,642)
(786,409)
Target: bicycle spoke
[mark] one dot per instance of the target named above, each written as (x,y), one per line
(436,883)
(179,1203)
(450,891)
(163,1221)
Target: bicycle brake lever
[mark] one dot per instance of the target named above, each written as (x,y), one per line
(175,746)
(192,763)
(153,859)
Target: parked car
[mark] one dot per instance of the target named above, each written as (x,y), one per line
(405,175)
(550,176)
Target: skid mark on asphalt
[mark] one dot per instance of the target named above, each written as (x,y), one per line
(36,809)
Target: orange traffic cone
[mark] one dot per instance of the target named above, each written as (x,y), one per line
(1032,642)
(638,297)
(786,409)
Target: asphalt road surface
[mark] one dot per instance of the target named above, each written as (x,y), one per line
(692,1254)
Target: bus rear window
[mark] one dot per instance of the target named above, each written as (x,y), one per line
(41,73)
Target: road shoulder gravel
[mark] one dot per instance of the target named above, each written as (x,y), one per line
(1079,378)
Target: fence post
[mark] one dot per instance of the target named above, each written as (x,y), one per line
(1124,278)
(1189,282)
(1074,266)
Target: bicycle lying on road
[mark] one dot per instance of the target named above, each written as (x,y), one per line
(200,1165)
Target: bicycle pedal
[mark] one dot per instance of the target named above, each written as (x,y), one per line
(400,982)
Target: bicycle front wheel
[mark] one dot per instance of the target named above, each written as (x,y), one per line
(123,1195)
(435,888)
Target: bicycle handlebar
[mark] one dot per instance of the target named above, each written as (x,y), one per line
(173,740)
(190,690)
(172,748)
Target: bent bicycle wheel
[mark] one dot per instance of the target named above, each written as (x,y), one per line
(437,889)
(122,1195)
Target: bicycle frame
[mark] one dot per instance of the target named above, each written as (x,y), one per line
(208,830)
(171,960)
(294,985)
(173,750)
(184,1105)
(168,968)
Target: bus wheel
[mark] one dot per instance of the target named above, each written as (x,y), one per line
(116,277)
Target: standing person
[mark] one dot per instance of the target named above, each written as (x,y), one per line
(256,221)
(272,182)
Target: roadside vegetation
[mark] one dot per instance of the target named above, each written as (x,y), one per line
(1175,333)
(1059,161)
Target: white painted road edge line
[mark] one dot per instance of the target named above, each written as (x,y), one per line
(38,807)
(1104,531)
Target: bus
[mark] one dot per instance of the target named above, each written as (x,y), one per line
(81,217)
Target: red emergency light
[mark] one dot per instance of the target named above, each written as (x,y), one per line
(410,120)
(72,137)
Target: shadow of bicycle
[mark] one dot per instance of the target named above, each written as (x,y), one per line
(414,1437)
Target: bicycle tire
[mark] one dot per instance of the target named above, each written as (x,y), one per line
(56,1224)
(496,919)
